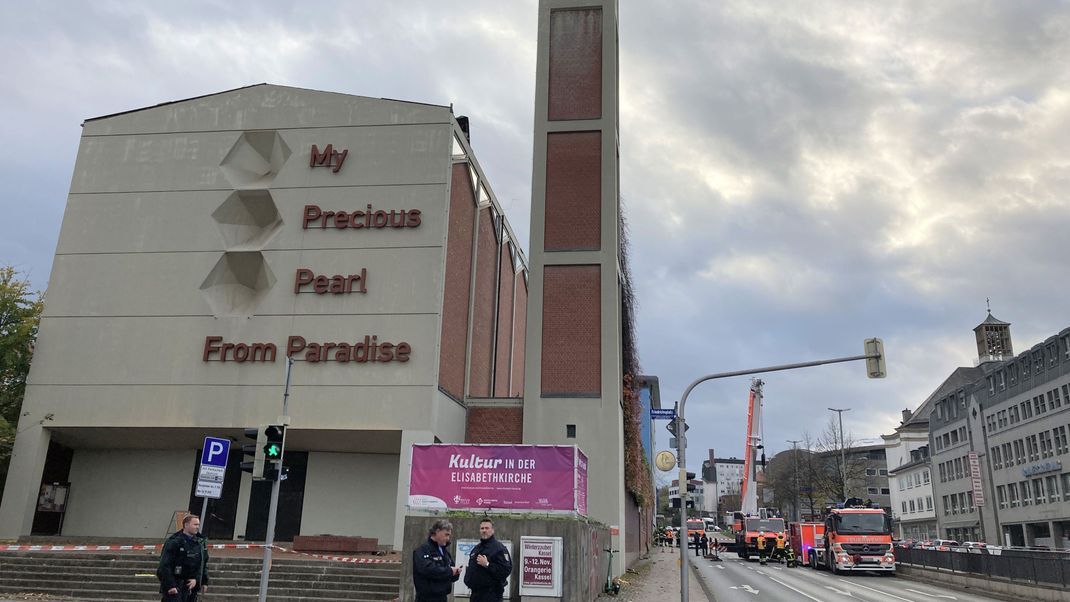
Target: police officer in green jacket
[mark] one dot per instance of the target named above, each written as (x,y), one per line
(183,570)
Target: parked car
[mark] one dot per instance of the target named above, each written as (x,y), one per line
(945,545)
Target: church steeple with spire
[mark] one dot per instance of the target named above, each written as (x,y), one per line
(993,339)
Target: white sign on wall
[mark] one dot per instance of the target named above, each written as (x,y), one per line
(541,566)
(464,548)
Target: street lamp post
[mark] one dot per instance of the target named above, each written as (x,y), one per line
(843,451)
(795,478)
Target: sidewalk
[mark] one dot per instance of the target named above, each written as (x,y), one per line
(658,578)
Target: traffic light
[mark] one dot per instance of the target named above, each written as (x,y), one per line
(273,435)
(271,472)
(256,450)
(875,367)
(690,485)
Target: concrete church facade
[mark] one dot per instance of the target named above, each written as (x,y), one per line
(207,240)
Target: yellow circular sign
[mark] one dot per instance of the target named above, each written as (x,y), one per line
(665,461)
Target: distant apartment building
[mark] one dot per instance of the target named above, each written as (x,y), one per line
(868,472)
(910,476)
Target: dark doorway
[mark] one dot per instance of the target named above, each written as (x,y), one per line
(291,501)
(219,520)
(57,470)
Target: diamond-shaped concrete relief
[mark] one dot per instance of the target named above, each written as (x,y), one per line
(247,219)
(255,159)
(237,283)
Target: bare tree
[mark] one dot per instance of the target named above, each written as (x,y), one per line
(836,474)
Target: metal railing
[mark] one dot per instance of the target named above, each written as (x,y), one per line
(1029,566)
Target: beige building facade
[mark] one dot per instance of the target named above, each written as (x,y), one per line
(205,241)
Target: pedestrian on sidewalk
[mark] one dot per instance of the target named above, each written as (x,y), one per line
(489,566)
(433,572)
(705,544)
(183,569)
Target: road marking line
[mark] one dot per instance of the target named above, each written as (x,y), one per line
(931,595)
(876,590)
(795,590)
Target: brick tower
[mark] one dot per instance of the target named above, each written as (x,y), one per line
(573,361)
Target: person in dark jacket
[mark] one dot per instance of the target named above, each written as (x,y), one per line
(183,569)
(489,566)
(433,572)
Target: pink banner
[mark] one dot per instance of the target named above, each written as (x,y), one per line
(581,483)
(500,477)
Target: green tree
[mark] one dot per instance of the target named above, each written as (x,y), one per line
(20,314)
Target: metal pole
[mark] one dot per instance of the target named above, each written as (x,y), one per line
(204,512)
(795,477)
(681,446)
(681,451)
(269,538)
(843,450)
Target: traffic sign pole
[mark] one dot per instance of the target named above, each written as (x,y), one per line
(269,538)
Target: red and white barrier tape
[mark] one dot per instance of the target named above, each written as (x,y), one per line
(213,546)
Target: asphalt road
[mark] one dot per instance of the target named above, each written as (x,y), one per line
(737,580)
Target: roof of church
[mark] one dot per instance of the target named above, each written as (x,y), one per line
(993,320)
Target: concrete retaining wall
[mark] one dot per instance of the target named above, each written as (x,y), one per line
(980,584)
(584,560)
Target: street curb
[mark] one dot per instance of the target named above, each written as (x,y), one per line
(701,582)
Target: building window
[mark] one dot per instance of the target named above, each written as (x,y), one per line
(1008,459)
(943,473)
(882,472)
(1038,361)
(1054,400)
(1039,404)
(947,508)
(871,472)
(1052,349)
(1012,495)
(1034,449)
(1038,491)
(917,479)
(1047,449)
(1025,369)
(1001,380)
(1060,440)
(991,385)
(969,501)
(1012,374)
(1015,419)
(1024,490)
(904,507)
(885,491)
(872,490)
(1052,483)
(958,468)
(902,484)
(997,463)
(1001,495)
(1027,410)
(928,502)
(925,477)
(1065,478)
(1066,346)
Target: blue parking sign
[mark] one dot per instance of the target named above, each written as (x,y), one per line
(215,452)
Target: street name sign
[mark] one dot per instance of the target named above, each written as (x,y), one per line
(663,413)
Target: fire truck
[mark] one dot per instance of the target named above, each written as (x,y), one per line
(747,535)
(857,537)
(803,537)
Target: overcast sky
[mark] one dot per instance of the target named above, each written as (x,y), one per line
(798,176)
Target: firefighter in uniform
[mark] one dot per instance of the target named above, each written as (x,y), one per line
(489,566)
(779,552)
(761,545)
(433,572)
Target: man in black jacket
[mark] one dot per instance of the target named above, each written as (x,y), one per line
(489,566)
(433,572)
(183,569)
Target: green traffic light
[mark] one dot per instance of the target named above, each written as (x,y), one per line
(273,450)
